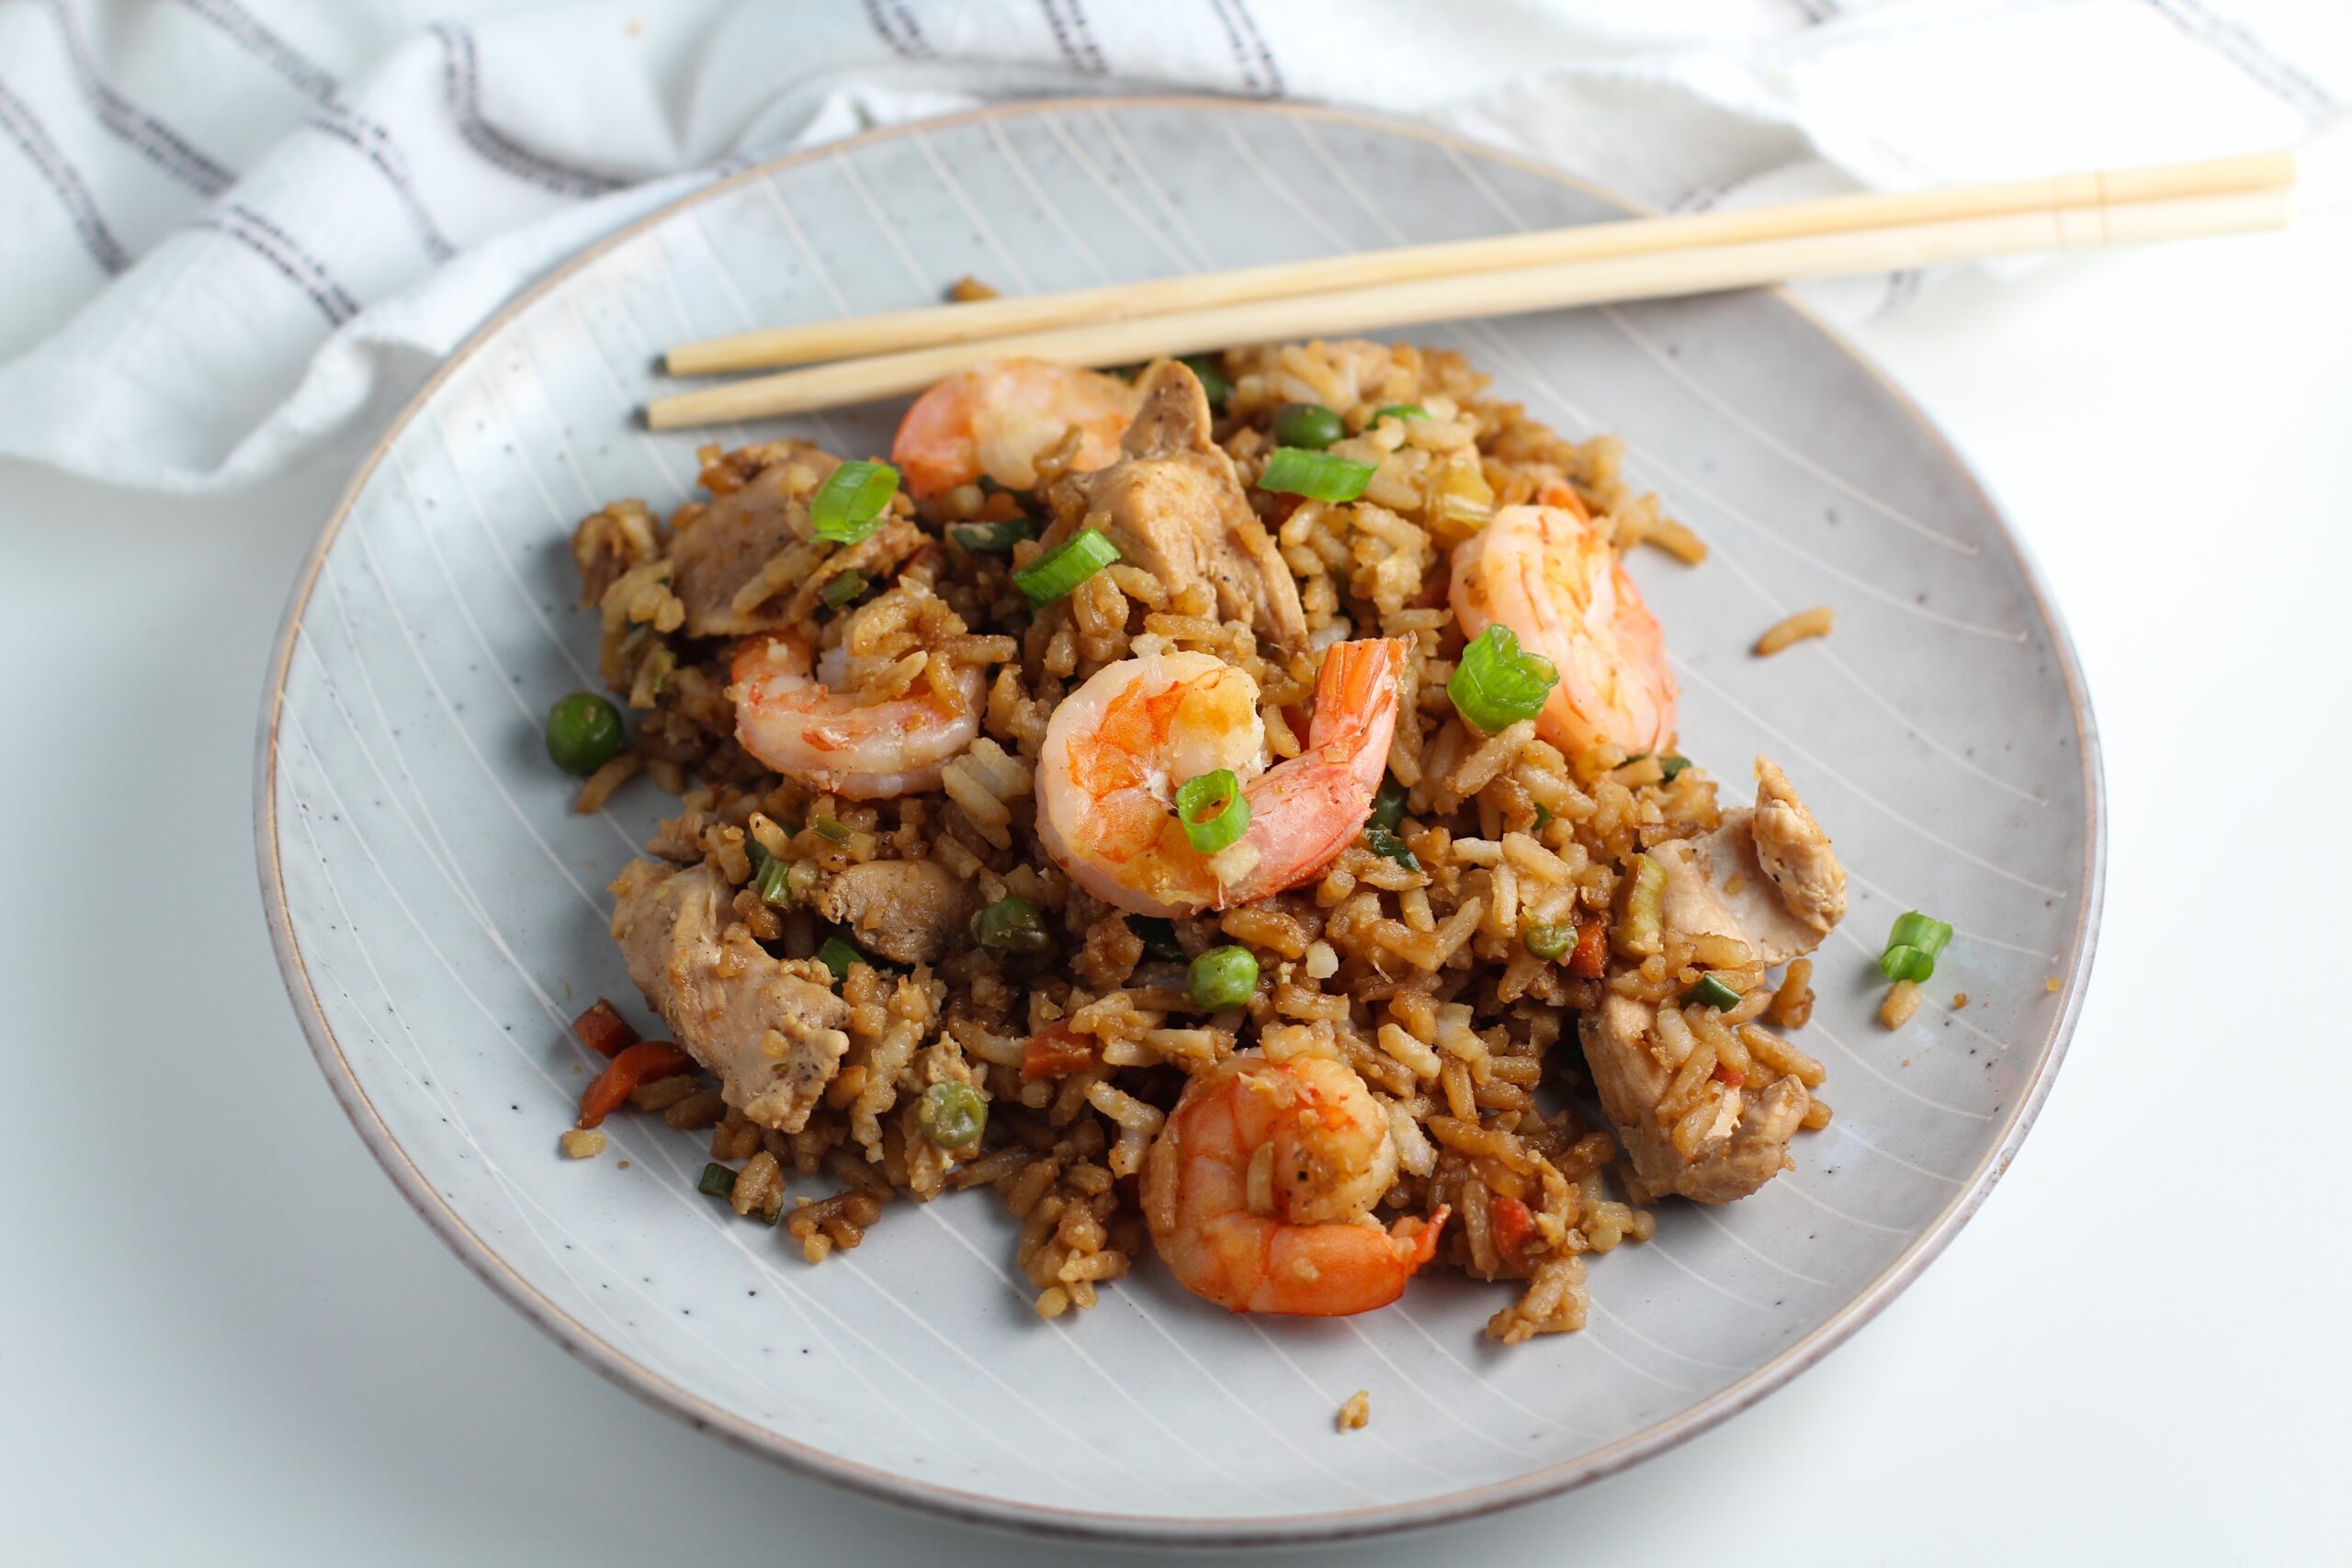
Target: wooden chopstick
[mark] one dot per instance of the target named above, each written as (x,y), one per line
(894,330)
(1645,276)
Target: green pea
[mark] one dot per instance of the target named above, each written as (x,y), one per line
(1214,380)
(1223,977)
(1012,928)
(584,732)
(952,1115)
(1310,425)
(1548,942)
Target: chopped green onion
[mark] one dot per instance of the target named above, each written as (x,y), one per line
(1712,992)
(1904,962)
(1213,379)
(1223,977)
(773,1216)
(1388,805)
(584,732)
(1318,476)
(1672,767)
(718,1180)
(1406,411)
(1912,946)
(1052,575)
(841,588)
(952,1115)
(1542,816)
(1496,685)
(1547,940)
(755,851)
(830,829)
(1923,931)
(1310,425)
(1012,928)
(850,504)
(1382,840)
(1213,810)
(771,883)
(1158,936)
(994,538)
(838,956)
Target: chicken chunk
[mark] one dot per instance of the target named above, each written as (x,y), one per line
(772,1029)
(909,911)
(742,531)
(1744,1147)
(1174,506)
(1766,876)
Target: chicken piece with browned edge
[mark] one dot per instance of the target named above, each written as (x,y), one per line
(771,1028)
(1174,506)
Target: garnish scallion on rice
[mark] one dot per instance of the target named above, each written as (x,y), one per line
(1052,575)
(1213,810)
(849,506)
(1317,476)
(1496,684)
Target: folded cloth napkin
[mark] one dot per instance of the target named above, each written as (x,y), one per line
(229,229)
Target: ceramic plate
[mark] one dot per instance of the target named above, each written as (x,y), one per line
(440,912)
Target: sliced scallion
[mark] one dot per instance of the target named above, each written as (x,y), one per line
(841,588)
(1213,810)
(1381,841)
(718,1180)
(1913,945)
(1157,935)
(1496,684)
(1388,805)
(1052,575)
(1318,476)
(832,829)
(1712,992)
(1906,963)
(1672,766)
(994,538)
(1406,411)
(773,882)
(850,504)
(838,956)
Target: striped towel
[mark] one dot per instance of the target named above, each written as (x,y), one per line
(231,229)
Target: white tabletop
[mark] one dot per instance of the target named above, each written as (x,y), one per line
(223,1337)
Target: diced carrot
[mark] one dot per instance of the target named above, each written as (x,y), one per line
(1729,1075)
(1055,1050)
(640,1063)
(1514,1225)
(1589,960)
(604,1031)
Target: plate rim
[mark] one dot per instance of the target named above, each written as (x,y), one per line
(1049,1520)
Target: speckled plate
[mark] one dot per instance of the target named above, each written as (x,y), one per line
(439,912)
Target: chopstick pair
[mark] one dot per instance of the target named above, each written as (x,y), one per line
(1642,258)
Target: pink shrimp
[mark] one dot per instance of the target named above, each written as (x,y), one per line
(1547,572)
(997,418)
(792,721)
(1259,1191)
(1117,748)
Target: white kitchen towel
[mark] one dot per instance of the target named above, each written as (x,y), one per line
(230,228)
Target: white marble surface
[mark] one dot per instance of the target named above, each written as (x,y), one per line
(224,1338)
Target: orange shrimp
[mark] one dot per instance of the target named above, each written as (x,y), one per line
(1118,746)
(1259,1189)
(997,418)
(796,724)
(1548,573)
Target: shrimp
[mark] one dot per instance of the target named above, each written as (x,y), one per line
(1260,1186)
(795,723)
(1117,748)
(997,418)
(1547,572)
